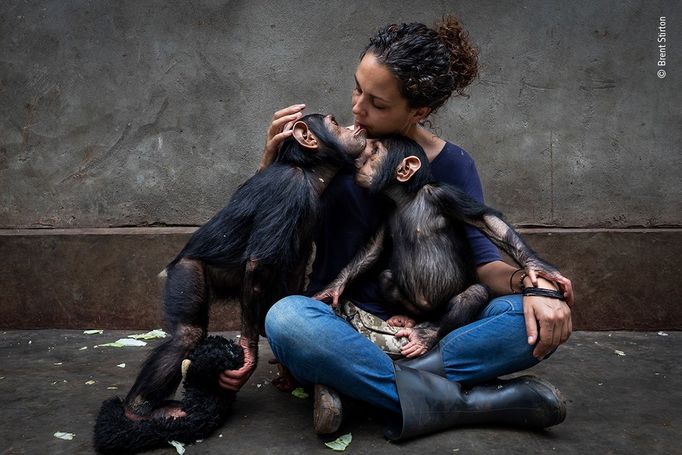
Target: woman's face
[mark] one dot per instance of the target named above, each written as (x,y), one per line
(378,105)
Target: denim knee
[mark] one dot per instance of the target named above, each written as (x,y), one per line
(286,316)
(503,304)
(494,345)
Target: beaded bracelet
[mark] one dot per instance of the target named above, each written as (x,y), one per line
(542,292)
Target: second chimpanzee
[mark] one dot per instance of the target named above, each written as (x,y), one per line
(255,249)
(431,270)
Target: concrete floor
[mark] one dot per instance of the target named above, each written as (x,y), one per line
(616,403)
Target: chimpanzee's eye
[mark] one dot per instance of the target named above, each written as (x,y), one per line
(375,150)
(333,120)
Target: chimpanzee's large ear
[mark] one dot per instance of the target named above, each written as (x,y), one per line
(304,136)
(407,168)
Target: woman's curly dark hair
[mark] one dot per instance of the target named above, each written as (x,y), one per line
(430,64)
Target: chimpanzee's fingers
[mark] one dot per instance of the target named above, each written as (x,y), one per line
(234,379)
(403,333)
(533,277)
(230,385)
(412,350)
(568,293)
(335,299)
(322,296)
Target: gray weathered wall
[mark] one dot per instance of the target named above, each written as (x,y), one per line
(150,113)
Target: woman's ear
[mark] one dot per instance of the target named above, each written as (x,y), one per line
(407,168)
(304,136)
(419,114)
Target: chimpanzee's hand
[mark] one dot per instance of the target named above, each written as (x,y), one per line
(400,321)
(333,292)
(536,267)
(280,129)
(552,316)
(235,379)
(420,340)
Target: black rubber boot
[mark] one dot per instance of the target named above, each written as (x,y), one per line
(431,403)
(432,362)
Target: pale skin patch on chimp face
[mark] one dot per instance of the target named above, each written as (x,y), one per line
(370,163)
(353,141)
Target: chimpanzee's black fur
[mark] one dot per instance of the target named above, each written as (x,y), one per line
(207,405)
(255,249)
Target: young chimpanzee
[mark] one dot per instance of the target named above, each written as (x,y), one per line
(431,270)
(255,249)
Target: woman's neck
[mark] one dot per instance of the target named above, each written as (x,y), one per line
(431,143)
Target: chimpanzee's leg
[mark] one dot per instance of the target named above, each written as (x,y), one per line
(186,312)
(463,308)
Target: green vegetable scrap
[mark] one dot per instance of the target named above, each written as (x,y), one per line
(65,436)
(158,333)
(298,392)
(340,443)
(123,342)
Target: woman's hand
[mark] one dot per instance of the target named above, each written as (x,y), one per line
(551,316)
(279,131)
(235,379)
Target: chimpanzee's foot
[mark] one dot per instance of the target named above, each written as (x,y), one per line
(285,382)
(172,410)
(130,415)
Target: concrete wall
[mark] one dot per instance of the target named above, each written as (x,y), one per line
(148,114)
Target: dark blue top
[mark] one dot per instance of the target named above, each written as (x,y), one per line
(350,216)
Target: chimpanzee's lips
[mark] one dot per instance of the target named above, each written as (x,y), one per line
(358,131)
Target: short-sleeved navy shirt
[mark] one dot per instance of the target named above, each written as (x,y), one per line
(350,217)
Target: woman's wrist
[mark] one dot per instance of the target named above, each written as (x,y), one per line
(542,283)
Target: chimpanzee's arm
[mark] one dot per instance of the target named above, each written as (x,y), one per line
(460,207)
(360,263)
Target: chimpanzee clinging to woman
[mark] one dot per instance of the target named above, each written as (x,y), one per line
(405,74)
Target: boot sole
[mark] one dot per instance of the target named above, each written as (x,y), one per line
(327,410)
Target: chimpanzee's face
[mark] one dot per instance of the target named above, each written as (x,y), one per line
(353,141)
(369,163)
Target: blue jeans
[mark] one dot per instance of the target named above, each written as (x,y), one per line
(318,347)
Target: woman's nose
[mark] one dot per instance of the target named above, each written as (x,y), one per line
(357,105)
